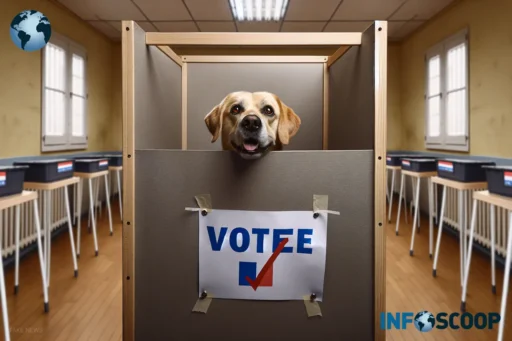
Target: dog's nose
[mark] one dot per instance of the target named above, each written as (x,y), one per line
(251,123)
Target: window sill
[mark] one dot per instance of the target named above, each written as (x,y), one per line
(63,148)
(449,147)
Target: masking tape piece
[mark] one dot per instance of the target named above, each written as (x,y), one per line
(202,304)
(321,203)
(312,307)
(328,212)
(192,209)
(204,201)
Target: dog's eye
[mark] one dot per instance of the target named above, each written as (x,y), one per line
(267,110)
(236,109)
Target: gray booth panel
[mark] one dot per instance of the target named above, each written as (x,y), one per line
(298,85)
(352,97)
(166,247)
(157,97)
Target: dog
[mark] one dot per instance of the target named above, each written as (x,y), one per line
(252,123)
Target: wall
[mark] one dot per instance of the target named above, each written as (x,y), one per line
(394,117)
(20,88)
(116,123)
(490,73)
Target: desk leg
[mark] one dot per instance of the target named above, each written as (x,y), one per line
(97,200)
(417,184)
(436,203)
(70,227)
(506,279)
(120,196)
(411,203)
(45,232)
(405,203)
(44,216)
(461,234)
(17,256)
(89,220)
(465,212)
(430,219)
(402,182)
(75,186)
(439,232)
(493,248)
(49,235)
(107,195)
(3,298)
(95,187)
(416,204)
(419,215)
(41,257)
(468,260)
(80,187)
(390,194)
(91,208)
(387,187)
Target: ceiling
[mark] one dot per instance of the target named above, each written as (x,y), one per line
(404,16)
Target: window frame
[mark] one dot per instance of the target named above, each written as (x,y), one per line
(445,141)
(67,141)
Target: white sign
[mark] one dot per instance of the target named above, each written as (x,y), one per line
(262,255)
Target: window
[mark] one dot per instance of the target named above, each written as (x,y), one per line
(446,96)
(64,106)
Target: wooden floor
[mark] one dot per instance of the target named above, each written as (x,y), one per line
(411,287)
(89,307)
(85,308)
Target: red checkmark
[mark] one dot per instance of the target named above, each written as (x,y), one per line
(256,283)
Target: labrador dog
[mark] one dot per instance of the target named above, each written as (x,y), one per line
(252,123)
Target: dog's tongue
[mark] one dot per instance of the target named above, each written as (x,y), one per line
(250,147)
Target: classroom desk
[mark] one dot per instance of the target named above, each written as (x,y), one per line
(47,188)
(393,170)
(16,201)
(462,189)
(416,194)
(495,201)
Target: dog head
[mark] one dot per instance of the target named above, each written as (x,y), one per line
(252,123)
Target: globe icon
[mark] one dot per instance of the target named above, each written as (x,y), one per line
(30,30)
(424,321)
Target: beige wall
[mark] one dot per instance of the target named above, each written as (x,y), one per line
(490,74)
(394,121)
(20,83)
(117,98)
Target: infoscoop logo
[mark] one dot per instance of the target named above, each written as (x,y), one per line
(425,321)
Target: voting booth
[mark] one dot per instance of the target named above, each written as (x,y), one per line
(286,247)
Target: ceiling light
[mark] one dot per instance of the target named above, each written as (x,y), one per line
(258,10)
(268,9)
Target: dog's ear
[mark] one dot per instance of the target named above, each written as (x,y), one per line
(214,122)
(289,124)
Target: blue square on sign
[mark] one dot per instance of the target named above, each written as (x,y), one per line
(246,269)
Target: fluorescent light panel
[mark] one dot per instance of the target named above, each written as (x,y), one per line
(258,10)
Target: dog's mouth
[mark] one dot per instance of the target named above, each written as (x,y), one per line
(251,147)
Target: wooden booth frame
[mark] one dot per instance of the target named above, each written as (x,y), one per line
(324,48)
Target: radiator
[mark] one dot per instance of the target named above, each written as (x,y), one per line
(482,233)
(28,233)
